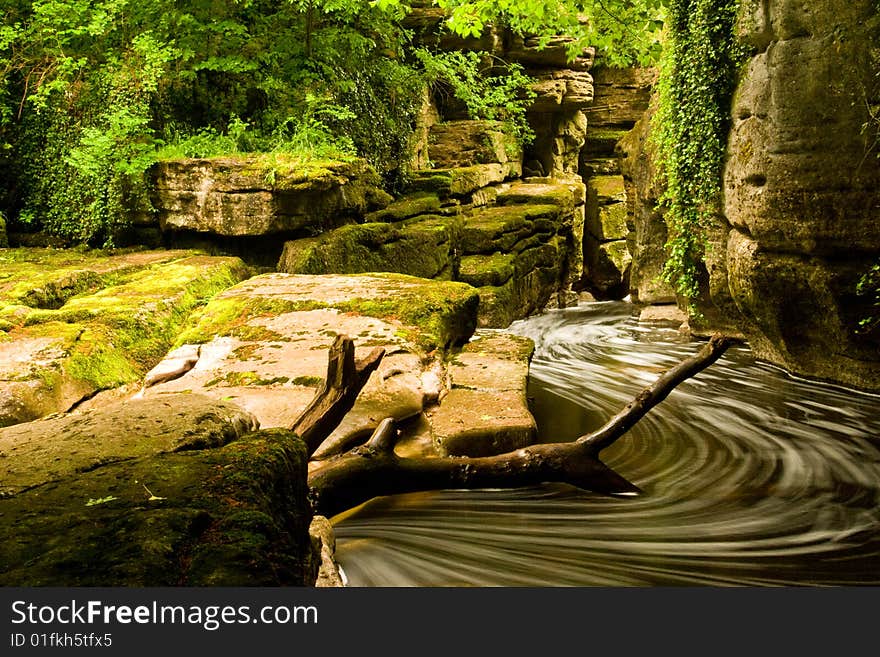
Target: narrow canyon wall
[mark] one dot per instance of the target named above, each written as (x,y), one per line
(802,187)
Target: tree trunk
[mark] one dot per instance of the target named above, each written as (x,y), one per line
(374,469)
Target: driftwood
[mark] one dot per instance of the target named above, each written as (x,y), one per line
(373,469)
(345,379)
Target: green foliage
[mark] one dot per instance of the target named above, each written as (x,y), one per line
(93,92)
(698,76)
(623,31)
(489,89)
(869,289)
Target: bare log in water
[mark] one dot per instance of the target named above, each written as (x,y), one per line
(345,379)
(374,469)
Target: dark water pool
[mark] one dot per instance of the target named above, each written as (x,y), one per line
(750,477)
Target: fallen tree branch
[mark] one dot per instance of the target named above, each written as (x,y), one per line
(656,393)
(345,379)
(374,469)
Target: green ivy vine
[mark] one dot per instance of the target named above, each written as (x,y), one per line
(698,76)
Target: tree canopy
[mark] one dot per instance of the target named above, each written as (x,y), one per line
(92,92)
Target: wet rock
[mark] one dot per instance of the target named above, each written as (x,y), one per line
(486,411)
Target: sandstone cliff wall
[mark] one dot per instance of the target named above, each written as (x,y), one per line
(802,189)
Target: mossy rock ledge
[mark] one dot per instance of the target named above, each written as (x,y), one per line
(259,195)
(453,388)
(73,323)
(264,343)
(177,491)
(521,250)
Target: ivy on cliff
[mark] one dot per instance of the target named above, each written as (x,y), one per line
(698,76)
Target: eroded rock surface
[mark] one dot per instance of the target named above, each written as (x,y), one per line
(802,194)
(74,323)
(486,411)
(230,515)
(250,196)
(264,343)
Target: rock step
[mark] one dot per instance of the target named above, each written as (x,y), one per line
(264,342)
(420,248)
(503,228)
(461,181)
(486,411)
(602,142)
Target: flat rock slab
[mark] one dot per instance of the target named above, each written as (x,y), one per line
(73,323)
(51,449)
(265,342)
(486,411)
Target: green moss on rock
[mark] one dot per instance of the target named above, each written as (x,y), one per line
(501,228)
(414,249)
(406,208)
(236,515)
(104,338)
(431,313)
(479,271)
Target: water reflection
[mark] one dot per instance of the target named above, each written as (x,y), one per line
(751,477)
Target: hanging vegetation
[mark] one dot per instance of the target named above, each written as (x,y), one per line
(698,75)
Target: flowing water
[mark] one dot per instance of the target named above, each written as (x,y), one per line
(749,476)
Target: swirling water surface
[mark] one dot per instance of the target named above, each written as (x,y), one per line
(750,477)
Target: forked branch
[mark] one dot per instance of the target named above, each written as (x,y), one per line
(374,469)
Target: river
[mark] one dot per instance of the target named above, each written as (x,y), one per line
(750,477)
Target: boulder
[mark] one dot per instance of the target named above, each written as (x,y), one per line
(457,144)
(462,181)
(558,89)
(206,508)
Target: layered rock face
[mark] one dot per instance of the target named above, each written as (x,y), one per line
(470,218)
(802,189)
(648,235)
(615,213)
(256,196)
